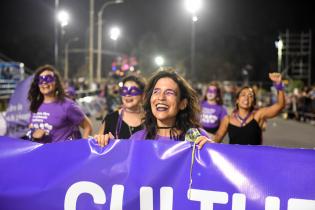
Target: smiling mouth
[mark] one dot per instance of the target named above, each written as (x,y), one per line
(161,107)
(129,100)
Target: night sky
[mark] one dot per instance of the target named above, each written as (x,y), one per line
(228,33)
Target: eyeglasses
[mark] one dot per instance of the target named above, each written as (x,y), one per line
(132,91)
(46,79)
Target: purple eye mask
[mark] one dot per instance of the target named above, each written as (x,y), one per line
(131,91)
(46,79)
(212,90)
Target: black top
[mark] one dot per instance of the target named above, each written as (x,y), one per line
(212,130)
(112,125)
(249,134)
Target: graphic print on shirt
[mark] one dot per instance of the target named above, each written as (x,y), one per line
(39,121)
(208,116)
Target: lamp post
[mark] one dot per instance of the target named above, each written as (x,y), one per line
(279,46)
(56,35)
(63,19)
(99,35)
(91,41)
(192,6)
(67,56)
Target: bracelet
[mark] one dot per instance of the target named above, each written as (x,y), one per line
(279,86)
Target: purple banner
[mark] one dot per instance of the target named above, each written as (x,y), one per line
(154,175)
(18,113)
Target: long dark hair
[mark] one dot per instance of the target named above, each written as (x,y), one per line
(35,97)
(238,95)
(186,118)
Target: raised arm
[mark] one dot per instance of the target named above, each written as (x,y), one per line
(275,109)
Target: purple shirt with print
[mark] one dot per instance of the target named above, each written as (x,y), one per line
(211,114)
(141,135)
(60,120)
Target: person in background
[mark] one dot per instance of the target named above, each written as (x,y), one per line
(245,124)
(54,117)
(212,110)
(121,124)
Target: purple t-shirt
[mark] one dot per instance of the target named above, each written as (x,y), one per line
(60,120)
(141,135)
(211,114)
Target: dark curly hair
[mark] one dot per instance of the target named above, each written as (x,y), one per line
(35,97)
(186,118)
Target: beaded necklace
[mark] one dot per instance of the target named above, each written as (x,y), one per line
(240,119)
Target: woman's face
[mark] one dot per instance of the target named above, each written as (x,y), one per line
(131,95)
(47,83)
(246,98)
(211,93)
(165,101)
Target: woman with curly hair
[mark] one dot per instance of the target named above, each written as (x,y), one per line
(54,117)
(171,109)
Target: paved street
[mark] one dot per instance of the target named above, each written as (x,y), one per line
(289,133)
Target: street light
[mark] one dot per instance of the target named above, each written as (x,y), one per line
(159,60)
(279,46)
(99,36)
(114,33)
(193,6)
(67,56)
(62,18)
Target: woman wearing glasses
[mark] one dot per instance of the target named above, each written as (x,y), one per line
(122,123)
(54,117)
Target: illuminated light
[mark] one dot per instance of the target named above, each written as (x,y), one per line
(195,18)
(193,6)
(63,17)
(159,60)
(132,68)
(120,84)
(114,33)
(125,67)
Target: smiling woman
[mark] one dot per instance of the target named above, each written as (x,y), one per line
(54,117)
(122,123)
(245,124)
(171,109)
